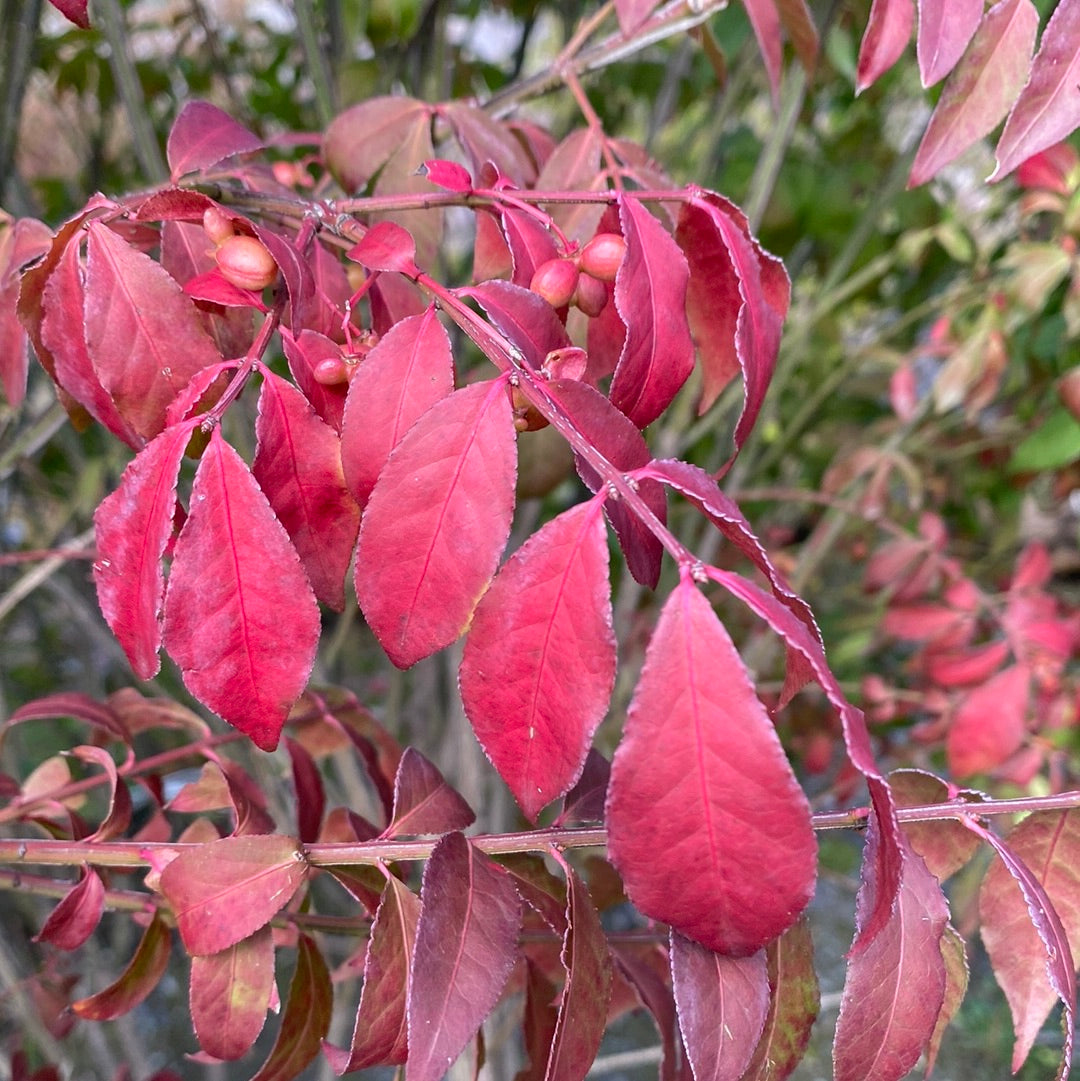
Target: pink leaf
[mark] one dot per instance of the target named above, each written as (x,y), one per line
(386,246)
(141,976)
(765,20)
(945,28)
(304,352)
(212,287)
(632,13)
(1048,108)
(118,818)
(887,32)
(240,618)
(360,140)
(1027,932)
(74,11)
(230,994)
(529,242)
(407,372)
(448,174)
(466,943)
(380,1035)
(944,845)
(73,920)
(750,878)
(298,466)
(296,270)
(722,1004)
(423,802)
(539,662)
(989,724)
(484,139)
(650,294)
(575,164)
(22,243)
(132,527)
(959,668)
(223,891)
(895,983)
(981,89)
(306,1019)
(310,793)
(143,334)
(527,320)
(437,522)
(202,135)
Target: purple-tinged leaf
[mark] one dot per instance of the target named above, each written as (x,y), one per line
(132,527)
(1027,931)
(141,976)
(466,942)
(585,801)
(407,372)
(765,20)
(386,246)
(539,662)
(650,294)
(695,700)
(981,89)
(484,139)
(646,970)
(176,204)
(306,1019)
(895,984)
(887,32)
(722,1004)
(226,890)
(527,320)
(793,1005)
(118,817)
(240,617)
(423,802)
(613,435)
(945,28)
(304,352)
(295,269)
(73,920)
(530,243)
(583,1004)
(298,466)
(310,793)
(380,1034)
(1048,108)
(538,1022)
(74,11)
(944,844)
(202,135)
(143,335)
(575,165)
(538,887)
(954,954)
(230,994)
(360,141)
(437,522)
(78,705)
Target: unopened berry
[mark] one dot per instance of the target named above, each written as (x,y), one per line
(555,281)
(244,261)
(331,371)
(590,295)
(218,225)
(603,256)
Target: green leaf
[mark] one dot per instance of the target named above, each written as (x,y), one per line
(1054,443)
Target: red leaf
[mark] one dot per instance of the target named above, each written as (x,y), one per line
(958,668)
(585,801)
(423,802)
(230,994)
(118,818)
(486,139)
(202,135)
(437,522)
(799,24)
(386,246)
(945,28)
(143,334)
(1027,932)
(296,272)
(530,243)
(360,140)
(407,372)
(240,619)
(954,954)
(132,527)
(895,983)
(304,352)
(73,920)
(22,243)
(448,174)
(212,287)
(650,294)
(1048,108)
(380,1036)
(750,879)
(140,977)
(73,10)
(539,663)
(226,890)
(310,794)
(765,20)
(583,1005)
(574,165)
(793,1005)
(466,943)
(944,845)
(989,723)
(306,1019)
(887,32)
(298,466)
(527,320)
(981,89)
(722,1004)
(74,704)
(647,971)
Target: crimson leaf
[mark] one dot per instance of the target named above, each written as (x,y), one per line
(203,135)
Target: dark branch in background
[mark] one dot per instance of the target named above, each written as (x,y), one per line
(18,33)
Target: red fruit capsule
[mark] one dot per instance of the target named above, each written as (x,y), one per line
(591,295)
(217,224)
(603,256)
(555,281)
(244,261)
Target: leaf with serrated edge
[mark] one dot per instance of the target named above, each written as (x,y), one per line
(226,890)
(539,663)
(722,1004)
(140,977)
(1027,931)
(944,845)
(240,617)
(437,522)
(230,994)
(895,983)
(887,32)
(466,943)
(751,877)
(945,28)
(203,135)
(423,802)
(380,1034)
